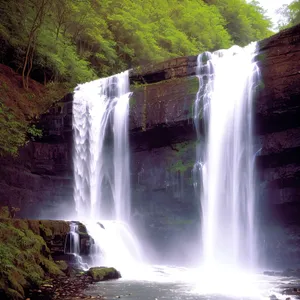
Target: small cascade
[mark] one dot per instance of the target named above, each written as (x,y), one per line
(74,239)
(72,246)
(224,168)
(101,168)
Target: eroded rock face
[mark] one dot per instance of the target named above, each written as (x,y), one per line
(40,180)
(278,129)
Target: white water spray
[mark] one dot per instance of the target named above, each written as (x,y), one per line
(101,167)
(224,101)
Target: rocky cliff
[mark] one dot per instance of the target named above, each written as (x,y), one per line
(40,180)
(162,140)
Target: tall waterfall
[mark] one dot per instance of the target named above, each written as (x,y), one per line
(225,157)
(99,172)
(101,168)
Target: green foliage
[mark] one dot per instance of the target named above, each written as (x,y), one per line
(34,132)
(75,41)
(245,22)
(12,132)
(24,259)
(290,15)
(63,43)
(180,162)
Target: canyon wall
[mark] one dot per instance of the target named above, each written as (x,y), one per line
(165,206)
(39,181)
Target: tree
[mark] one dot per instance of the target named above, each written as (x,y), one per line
(76,41)
(289,15)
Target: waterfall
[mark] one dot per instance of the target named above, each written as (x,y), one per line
(225,155)
(99,174)
(72,245)
(101,165)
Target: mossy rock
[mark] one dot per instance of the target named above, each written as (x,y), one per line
(62,265)
(102,273)
(25,259)
(4,212)
(56,228)
(81,228)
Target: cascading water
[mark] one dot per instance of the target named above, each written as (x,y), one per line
(226,161)
(102,177)
(72,245)
(96,104)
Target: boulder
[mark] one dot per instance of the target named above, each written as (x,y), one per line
(103,273)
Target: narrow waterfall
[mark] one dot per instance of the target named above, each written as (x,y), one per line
(101,166)
(98,174)
(225,155)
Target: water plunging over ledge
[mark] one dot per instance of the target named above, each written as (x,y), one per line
(226,161)
(101,168)
(224,168)
(100,109)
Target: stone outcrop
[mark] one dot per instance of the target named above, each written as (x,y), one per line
(55,233)
(40,180)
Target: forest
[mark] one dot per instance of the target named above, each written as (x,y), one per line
(77,41)
(62,43)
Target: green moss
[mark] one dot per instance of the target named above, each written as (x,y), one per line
(24,258)
(51,267)
(100,274)
(180,166)
(45,231)
(132,101)
(182,148)
(62,265)
(260,57)
(57,228)
(192,85)
(34,225)
(140,86)
(4,212)
(180,160)
(82,229)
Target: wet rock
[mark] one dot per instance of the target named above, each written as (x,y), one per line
(291,273)
(102,273)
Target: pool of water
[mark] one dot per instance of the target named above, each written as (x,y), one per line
(161,282)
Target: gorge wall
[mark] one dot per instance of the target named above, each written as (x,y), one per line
(162,140)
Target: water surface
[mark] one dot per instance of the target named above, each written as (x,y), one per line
(191,284)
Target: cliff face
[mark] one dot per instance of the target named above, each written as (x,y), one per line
(162,140)
(161,123)
(278,129)
(40,180)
